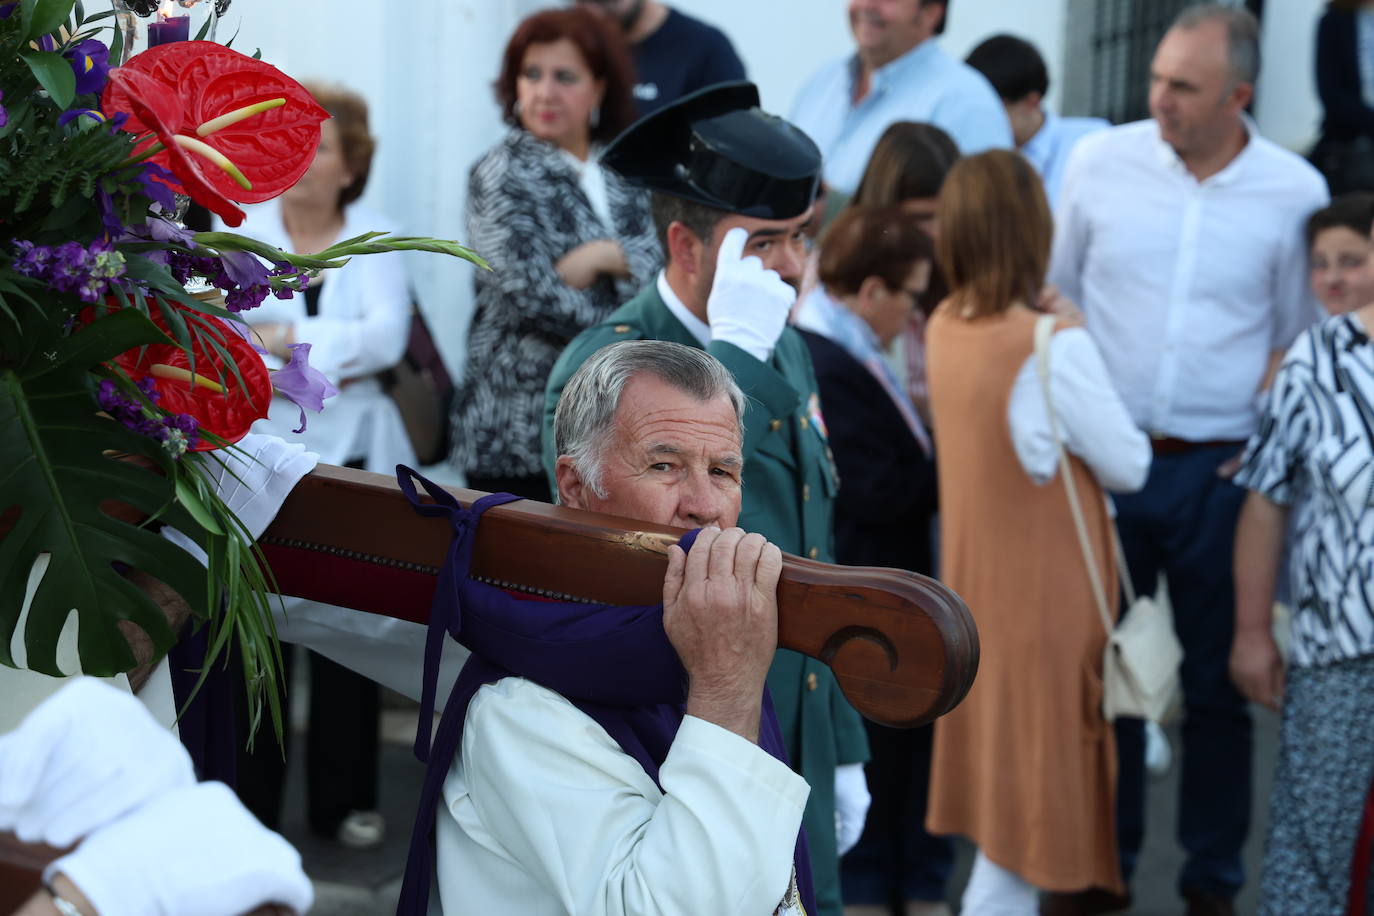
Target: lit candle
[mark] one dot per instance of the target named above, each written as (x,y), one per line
(168,27)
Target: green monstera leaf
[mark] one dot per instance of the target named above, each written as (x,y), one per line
(58,481)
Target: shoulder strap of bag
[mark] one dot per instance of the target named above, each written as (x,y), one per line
(1044,330)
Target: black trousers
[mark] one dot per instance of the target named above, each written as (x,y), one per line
(341,749)
(896,860)
(1184,523)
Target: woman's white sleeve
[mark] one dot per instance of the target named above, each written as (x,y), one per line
(1093,421)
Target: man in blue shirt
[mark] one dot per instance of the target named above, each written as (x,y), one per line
(897,73)
(1017,71)
(674,53)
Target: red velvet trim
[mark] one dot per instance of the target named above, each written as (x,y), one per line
(358,584)
(1364,856)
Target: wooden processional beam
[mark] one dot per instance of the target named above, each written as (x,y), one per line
(903,647)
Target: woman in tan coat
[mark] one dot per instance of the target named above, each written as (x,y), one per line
(1025,767)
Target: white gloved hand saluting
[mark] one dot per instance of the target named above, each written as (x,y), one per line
(86,756)
(195,851)
(851,805)
(749,304)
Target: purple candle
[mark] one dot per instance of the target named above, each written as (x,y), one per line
(174,28)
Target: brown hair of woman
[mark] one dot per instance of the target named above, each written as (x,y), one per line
(601,45)
(349,112)
(864,242)
(910,160)
(995,233)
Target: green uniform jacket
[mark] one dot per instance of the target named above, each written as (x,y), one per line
(789,486)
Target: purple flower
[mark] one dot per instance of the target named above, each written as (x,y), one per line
(244,269)
(109,219)
(109,397)
(180,432)
(156,183)
(71,114)
(176,431)
(181,265)
(244,279)
(293,279)
(302,385)
(242,300)
(71,267)
(7,9)
(160,229)
(90,61)
(31,260)
(4,115)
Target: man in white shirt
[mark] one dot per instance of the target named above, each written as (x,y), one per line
(1181,236)
(897,73)
(543,812)
(1017,71)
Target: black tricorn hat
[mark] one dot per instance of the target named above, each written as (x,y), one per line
(717,147)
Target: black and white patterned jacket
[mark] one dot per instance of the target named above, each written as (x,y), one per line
(1314,452)
(525,210)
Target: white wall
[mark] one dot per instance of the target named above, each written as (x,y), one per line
(1041,22)
(1287,108)
(426,70)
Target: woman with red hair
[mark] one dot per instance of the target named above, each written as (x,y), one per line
(567,240)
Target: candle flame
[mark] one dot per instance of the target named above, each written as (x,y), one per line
(166,9)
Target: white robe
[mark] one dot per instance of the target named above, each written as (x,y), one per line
(361,329)
(542,813)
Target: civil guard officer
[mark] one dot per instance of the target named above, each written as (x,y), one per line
(732,192)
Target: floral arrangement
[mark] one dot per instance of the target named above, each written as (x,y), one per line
(125,371)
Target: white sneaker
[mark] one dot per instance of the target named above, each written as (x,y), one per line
(362,830)
(1159,755)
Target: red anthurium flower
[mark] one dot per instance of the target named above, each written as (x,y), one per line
(156,107)
(258,126)
(212,394)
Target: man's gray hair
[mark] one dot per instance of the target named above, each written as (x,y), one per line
(1242,35)
(585,416)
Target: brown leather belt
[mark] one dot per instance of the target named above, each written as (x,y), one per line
(1168,445)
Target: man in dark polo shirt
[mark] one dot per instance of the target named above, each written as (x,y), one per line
(674,53)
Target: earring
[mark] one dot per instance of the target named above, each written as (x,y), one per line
(595,118)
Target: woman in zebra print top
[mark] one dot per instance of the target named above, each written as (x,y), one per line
(567,240)
(1314,457)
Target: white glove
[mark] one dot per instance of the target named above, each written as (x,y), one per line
(851,805)
(195,851)
(253,481)
(261,479)
(749,304)
(84,757)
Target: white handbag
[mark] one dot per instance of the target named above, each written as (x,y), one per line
(1140,665)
